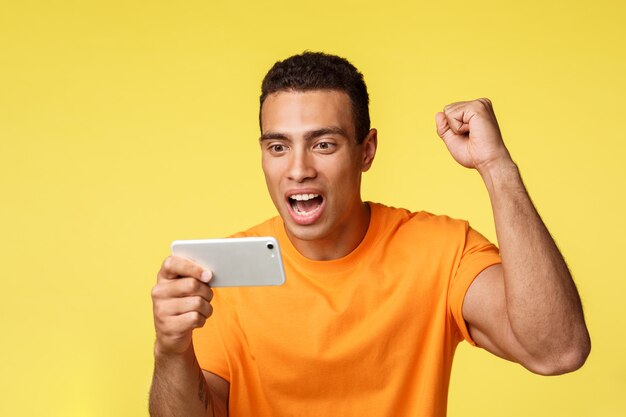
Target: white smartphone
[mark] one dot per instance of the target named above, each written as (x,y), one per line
(235,262)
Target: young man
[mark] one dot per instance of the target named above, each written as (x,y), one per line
(376,298)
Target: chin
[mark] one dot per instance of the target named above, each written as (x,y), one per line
(306,233)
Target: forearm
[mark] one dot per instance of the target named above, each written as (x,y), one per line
(179,388)
(542,303)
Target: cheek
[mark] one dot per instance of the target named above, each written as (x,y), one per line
(272,173)
(273,188)
(346,179)
(348,170)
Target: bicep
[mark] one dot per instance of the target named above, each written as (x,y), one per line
(219,389)
(485,312)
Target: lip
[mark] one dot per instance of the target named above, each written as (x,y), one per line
(310,218)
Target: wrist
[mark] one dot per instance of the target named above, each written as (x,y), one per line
(501,174)
(163,354)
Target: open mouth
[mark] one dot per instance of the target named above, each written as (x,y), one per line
(305,205)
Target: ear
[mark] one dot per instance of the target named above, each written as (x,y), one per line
(368,147)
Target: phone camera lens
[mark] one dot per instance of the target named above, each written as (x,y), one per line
(270,245)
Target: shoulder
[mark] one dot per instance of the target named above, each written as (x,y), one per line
(392,218)
(418,230)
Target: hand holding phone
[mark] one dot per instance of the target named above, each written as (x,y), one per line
(181,301)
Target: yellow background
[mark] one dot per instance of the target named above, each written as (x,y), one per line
(125,125)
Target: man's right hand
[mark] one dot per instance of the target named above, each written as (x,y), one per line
(181,302)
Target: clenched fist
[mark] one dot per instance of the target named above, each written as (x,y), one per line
(471,133)
(181,302)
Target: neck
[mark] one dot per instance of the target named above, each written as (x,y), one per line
(341,242)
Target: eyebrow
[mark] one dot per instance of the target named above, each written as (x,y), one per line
(308,135)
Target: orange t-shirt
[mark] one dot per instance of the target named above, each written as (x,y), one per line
(370,334)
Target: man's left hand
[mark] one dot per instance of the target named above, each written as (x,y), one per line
(471,133)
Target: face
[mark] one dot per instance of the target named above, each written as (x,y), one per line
(312,163)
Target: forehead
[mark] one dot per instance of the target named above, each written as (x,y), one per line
(301,111)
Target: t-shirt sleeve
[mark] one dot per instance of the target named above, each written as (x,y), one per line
(208,344)
(478,254)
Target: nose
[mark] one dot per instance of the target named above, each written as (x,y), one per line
(301,166)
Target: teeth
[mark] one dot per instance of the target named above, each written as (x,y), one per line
(303,197)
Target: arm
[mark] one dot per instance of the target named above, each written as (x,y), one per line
(181,301)
(526,310)
(181,388)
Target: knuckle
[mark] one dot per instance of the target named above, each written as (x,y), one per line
(168,263)
(163,326)
(485,103)
(196,269)
(195,317)
(156,292)
(191,285)
(160,310)
(200,321)
(196,302)
(159,321)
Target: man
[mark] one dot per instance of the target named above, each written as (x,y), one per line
(376,298)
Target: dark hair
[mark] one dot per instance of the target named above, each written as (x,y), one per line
(319,71)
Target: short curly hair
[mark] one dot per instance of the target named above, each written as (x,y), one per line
(319,71)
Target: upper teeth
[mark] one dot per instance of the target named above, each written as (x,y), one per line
(303,197)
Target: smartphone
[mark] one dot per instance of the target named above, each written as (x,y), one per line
(236,262)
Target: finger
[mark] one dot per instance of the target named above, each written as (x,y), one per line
(455,106)
(192,319)
(442,124)
(182,287)
(178,306)
(458,119)
(175,266)
(486,102)
(176,326)
(486,108)
(444,129)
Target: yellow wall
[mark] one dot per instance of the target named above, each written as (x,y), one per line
(125,125)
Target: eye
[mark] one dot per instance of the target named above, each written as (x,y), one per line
(277,148)
(325,146)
